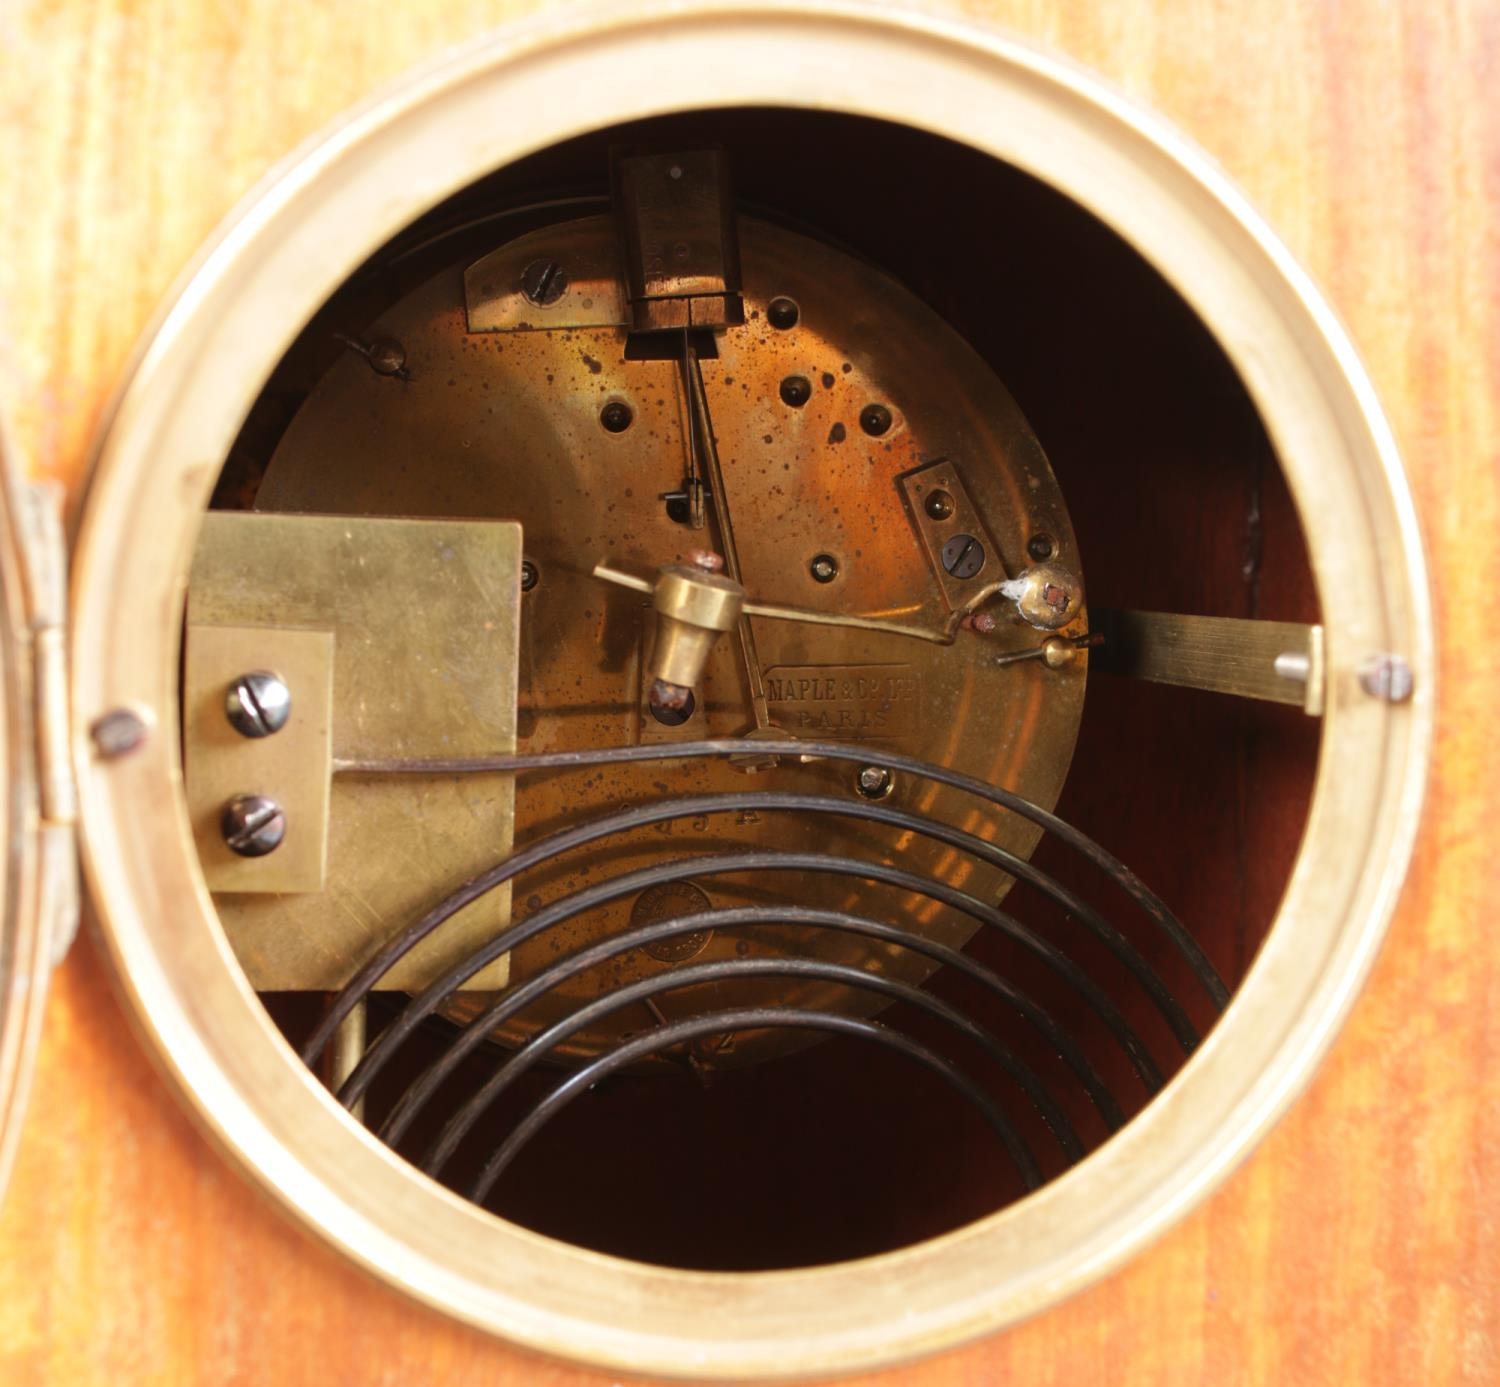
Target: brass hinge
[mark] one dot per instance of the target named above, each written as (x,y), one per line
(44,564)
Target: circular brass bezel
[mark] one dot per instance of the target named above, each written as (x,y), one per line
(301,233)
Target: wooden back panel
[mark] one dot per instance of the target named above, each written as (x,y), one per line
(1358,1244)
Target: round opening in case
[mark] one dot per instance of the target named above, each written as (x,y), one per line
(827,411)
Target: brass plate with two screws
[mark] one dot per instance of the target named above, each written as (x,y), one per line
(423,621)
(293,766)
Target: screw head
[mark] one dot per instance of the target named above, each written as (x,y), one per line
(706,560)
(258,703)
(782,313)
(1387,677)
(387,357)
(543,282)
(252,825)
(963,556)
(796,391)
(118,732)
(938,505)
(529,575)
(874,782)
(1040,547)
(616,416)
(875,420)
(824,568)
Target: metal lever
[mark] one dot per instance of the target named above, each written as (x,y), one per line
(946,635)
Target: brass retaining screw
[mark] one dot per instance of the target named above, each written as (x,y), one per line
(543,282)
(1387,677)
(118,733)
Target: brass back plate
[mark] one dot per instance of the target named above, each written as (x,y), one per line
(507,424)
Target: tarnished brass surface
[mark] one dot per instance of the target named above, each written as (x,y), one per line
(423,621)
(507,424)
(293,766)
(1219,653)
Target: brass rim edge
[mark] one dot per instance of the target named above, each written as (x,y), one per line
(193,382)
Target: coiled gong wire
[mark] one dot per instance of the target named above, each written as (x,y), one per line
(631,1050)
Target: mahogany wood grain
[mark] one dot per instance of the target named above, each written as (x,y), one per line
(1359,1244)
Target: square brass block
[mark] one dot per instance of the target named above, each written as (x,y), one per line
(398,640)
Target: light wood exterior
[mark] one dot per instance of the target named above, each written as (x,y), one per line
(1359,1244)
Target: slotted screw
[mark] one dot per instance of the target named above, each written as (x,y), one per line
(963,556)
(1387,677)
(253,825)
(118,732)
(544,282)
(258,703)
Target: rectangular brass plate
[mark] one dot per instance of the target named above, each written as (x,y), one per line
(595,296)
(964,519)
(680,239)
(424,616)
(1218,653)
(293,767)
